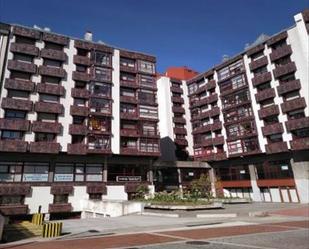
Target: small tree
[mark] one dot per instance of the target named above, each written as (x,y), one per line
(201,188)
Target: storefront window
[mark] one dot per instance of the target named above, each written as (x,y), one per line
(35,172)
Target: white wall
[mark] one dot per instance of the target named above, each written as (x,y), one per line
(40,196)
(80,192)
(301,177)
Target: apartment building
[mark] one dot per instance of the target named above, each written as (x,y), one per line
(250,118)
(78,120)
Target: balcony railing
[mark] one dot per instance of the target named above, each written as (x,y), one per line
(269,111)
(13,146)
(178,109)
(131,84)
(179,120)
(129,151)
(50,89)
(53,54)
(300,144)
(293,104)
(45,147)
(265,94)
(128,68)
(26,32)
(22,66)
(213,141)
(261,78)
(80,93)
(212,98)
(288,87)
(98,149)
(280,52)
(272,129)
(211,85)
(59,39)
(176,89)
(297,124)
(209,127)
(128,99)
(16,104)
(77,149)
(278,147)
(129,133)
(284,69)
(258,63)
(60,208)
(14,124)
(277,38)
(180,131)
(48,127)
(18,209)
(181,141)
(17,84)
(52,71)
(79,110)
(76,129)
(24,49)
(177,100)
(81,76)
(49,107)
(81,60)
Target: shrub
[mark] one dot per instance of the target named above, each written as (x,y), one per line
(200,188)
(141,192)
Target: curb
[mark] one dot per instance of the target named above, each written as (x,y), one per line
(160,214)
(230,215)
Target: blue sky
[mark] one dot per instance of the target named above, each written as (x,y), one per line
(195,33)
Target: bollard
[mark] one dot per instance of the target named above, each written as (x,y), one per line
(37,219)
(52,229)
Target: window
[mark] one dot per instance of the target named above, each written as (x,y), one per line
(127,108)
(53,46)
(81,68)
(301,133)
(49,98)
(52,63)
(147,67)
(274,170)
(45,137)
(17,94)
(260,71)
(77,139)
(127,77)
(99,142)
(23,58)
(78,120)
(148,111)
(275,138)
(147,97)
(95,196)
(126,62)
(47,117)
(80,84)
(127,92)
(94,173)
(257,56)
(129,143)
(235,147)
(13,114)
(64,173)
(12,200)
(79,102)
(61,199)
(50,80)
(102,58)
(10,172)
(100,89)
(292,95)
(283,61)
(11,135)
(149,129)
(103,74)
(35,172)
(146,80)
(233,173)
(79,173)
(296,114)
(24,40)
(149,145)
(192,88)
(99,124)
(232,69)
(100,105)
(20,75)
(82,52)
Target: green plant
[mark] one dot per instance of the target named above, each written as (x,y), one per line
(141,192)
(200,188)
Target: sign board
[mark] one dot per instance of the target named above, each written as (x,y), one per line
(46,217)
(128,178)
(35,178)
(63,178)
(284,167)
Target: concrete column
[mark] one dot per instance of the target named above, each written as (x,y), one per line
(255,189)
(179,179)
(301,177)
(105,172)
(150,176)
(212,178)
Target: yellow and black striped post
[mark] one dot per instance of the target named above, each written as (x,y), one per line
(52,229)
(37,219)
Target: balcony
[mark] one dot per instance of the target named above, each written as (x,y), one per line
(211,85)
(75,129)
(284,69)
(129,133)
(210,127)
(199,102)
(45,147)
(128,99)
(101,111)
(149,153)
(289,86)
(47,127)
(128,69)
(24,49)
(180,131)
(83,45)
(255,49)
(14,124)
(20,209)
(62,40)
(178,100)
(130,84)
(297,124)
(60,208)
(52,71)
(17,84)
(179,120)
(258,63)
(213,141)
(81,60)
(269,111)
(48,107)
(277,38)
(50,89)
(129,115)
(201,89)
(129,151)
(53,54)
(22,66)
(98,150)
(261,78)
(181,141)
(272,129)
(265,94)
(212,98)
(13,146)
(280,52)
(175,89)
(293,104)
(77,149)
(81,76)
(16,104)
(26,32)
(80,93)
(178,109)
(276,147)
(79,110)
(300,144)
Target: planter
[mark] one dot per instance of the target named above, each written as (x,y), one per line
(214,205)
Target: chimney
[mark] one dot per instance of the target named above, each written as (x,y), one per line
(88,36)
